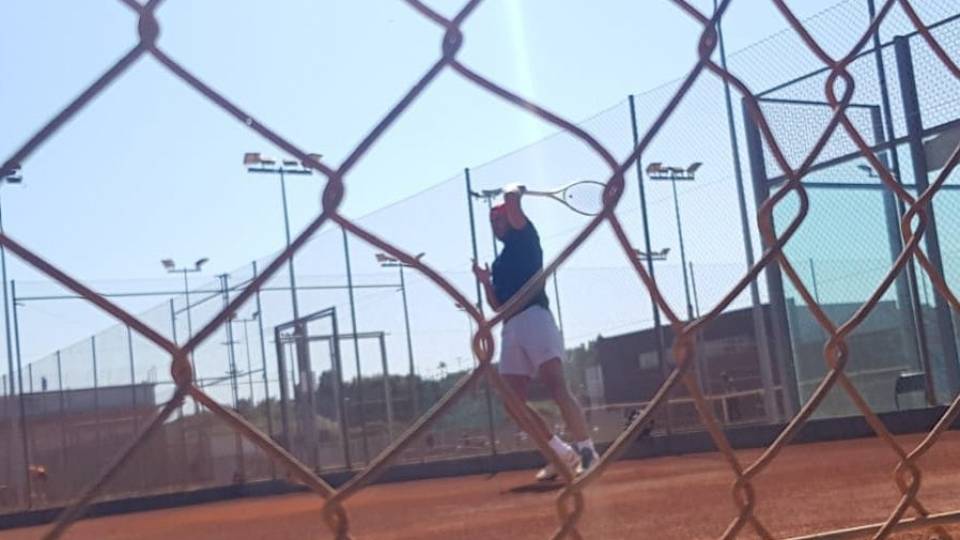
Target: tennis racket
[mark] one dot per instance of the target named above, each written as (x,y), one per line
(584,197)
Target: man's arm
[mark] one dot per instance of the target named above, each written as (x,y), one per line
(483,276)
(511,198)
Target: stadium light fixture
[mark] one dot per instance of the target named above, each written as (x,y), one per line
(655,255)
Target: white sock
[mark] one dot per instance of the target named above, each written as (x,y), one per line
(558,446)
(586,444)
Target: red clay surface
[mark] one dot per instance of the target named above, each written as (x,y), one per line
(810,488)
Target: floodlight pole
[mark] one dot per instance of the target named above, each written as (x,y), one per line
(259,164)
(282,172)
(674,174)
(186,271)
(11,387)
(262,165)
(387,262)
(673,177)
(683,253)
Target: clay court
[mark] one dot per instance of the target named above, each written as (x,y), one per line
(810,488)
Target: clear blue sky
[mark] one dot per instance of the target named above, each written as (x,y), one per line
(152,170)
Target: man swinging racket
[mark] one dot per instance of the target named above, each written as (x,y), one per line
(531,345)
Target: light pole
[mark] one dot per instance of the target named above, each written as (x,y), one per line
(387,261)
(656,171)
(171,268)
(11,178)
(260,164)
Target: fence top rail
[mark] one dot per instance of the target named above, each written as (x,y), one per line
(872,50)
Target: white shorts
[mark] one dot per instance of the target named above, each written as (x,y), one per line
(528,340)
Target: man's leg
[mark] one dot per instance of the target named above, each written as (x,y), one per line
(551,373)
(518,384)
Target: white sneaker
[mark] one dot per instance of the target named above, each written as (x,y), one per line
(588,460)
(550,473)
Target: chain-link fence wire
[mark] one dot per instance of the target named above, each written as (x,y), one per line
(188,383)
(541,164)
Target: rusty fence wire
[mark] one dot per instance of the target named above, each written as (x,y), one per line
(572,502)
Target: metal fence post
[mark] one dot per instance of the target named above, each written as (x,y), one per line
(284,391)
(491,430)
(96,400)
(180,419)
(386,385)
(62,406)
(133,392)
(778,309)
(240,475)
(11,389)
(657,324)
(916,308)
(24,432)
(356,345)
(764,356)
(263,366)
(413,383)
(914,121)
(338,389)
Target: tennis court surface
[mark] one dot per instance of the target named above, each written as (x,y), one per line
(810,488)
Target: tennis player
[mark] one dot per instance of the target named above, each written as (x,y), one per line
(531,345)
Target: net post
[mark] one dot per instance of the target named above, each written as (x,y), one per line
(778,317)
(914,122)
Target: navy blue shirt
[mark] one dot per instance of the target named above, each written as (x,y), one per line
(520,260)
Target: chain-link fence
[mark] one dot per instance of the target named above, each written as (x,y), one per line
(397,365)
